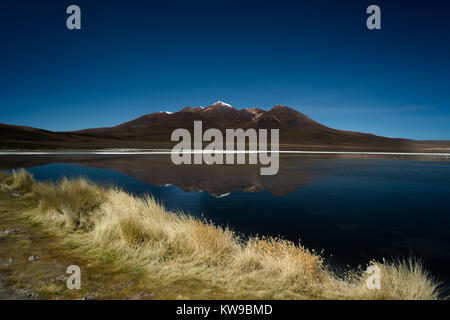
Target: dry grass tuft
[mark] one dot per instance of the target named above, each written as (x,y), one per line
(176,250)
(403,279)
(16,181)
(74,200)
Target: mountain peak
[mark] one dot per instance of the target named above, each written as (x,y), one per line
(281,107)
(220,104)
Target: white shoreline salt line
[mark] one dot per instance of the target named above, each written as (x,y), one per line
(167,152)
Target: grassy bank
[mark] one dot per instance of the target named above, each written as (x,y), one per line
(175,256)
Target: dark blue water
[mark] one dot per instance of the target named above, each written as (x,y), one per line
(354,209)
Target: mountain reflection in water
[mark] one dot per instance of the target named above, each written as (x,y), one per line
(217,180)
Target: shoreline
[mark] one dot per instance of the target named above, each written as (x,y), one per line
(168,152)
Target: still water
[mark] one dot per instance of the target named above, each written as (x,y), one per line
(355,209)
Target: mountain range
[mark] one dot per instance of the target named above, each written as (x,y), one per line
(297,132)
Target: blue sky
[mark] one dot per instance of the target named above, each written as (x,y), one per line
(136,57)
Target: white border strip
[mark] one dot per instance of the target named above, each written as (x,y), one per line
(168,151)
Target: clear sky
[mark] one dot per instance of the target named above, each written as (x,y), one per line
(136,57)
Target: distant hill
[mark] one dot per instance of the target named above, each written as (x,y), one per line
(297,131)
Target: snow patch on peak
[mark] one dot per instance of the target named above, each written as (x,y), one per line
(221,103)
(168,112)
(222,195)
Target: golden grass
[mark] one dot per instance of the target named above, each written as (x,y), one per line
(201,260)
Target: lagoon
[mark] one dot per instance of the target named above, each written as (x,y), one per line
(354,208)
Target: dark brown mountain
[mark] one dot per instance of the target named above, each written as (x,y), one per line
(297,131)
